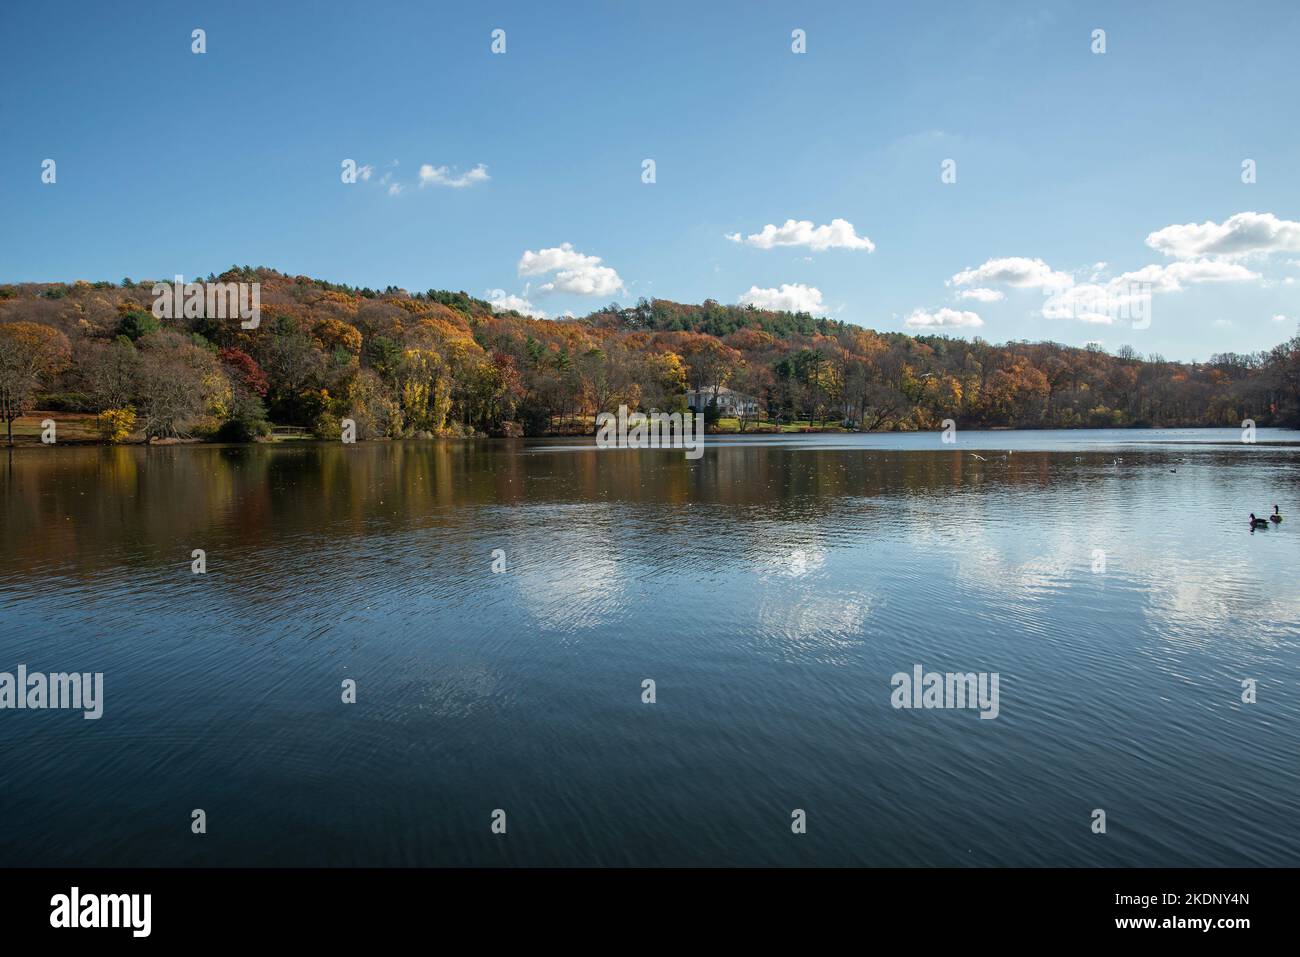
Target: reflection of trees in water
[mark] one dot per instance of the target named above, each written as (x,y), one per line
(81,509)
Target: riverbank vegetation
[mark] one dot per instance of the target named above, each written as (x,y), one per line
(440,363)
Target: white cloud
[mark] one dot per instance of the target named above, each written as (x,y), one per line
(945,317)
(1238,235)
(503,302)
(575,272)
(1223,323)
(1172,277)
(791,297)
(840,234)
(365,171)
(442,176)
(597,281)
(1098,300)
(982,295)
(563,256)
(395,189)
(1066,299)
(1281,318)
(1016,271)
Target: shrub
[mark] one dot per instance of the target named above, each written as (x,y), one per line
(242,430)
(327,426)
(247,421)
(115,425)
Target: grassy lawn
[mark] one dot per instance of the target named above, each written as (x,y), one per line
(70,426)
(755,425)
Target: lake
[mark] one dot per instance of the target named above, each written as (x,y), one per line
(770,590)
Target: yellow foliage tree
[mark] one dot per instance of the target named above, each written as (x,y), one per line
(425,388)
(115,425)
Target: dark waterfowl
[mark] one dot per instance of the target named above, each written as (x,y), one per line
(1276,517)
(1257,522)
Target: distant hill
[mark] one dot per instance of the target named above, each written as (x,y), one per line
(445,363)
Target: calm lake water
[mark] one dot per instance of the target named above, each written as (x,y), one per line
(770,589)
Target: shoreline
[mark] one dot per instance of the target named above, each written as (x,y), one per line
(33,439)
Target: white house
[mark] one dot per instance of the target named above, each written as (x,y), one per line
(729,403)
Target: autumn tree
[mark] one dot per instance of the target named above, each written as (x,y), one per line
(709,362)
(246,417)
(29,354)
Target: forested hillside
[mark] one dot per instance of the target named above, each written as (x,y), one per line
(443,363)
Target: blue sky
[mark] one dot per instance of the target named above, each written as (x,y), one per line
(170,162)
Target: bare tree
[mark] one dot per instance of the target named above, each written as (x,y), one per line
(178,383)
(108,374)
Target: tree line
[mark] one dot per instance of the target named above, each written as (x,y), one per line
(440,363)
